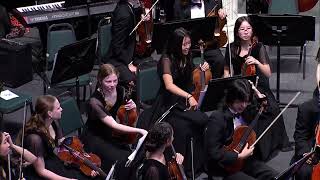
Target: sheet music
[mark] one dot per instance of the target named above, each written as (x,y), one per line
(134,153)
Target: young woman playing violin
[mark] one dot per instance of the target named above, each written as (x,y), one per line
(249,57)
(42,136)
(219,133)
(175,71)
(155,166)
(101,124)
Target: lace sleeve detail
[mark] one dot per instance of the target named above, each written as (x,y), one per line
(165,65)
(152,174)
(263,55)
(97,109)
(34,144)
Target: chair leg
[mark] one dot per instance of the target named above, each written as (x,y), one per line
(31,108)
(304,60)
(301,51)
(84,93)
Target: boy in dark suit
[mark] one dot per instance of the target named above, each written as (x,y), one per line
(121,50)
(219,133)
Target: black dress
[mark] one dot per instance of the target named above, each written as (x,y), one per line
(188,124)
(39,145)
(276,137)
(97,137)
(153,170)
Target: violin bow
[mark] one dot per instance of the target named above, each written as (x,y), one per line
(275,119)
(111,172)
(144,16)
(141,140)
(22,139)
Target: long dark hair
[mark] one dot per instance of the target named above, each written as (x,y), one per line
(158,136)
(173,49)
(235,49)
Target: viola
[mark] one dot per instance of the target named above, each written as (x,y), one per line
(305,5)
(200,78)
(71,152)
(176,171)
(144,33)
(242,135)
(128,118)
(249,70)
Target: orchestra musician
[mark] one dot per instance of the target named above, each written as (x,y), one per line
(102,111)
(122,46)
(191,9)
(220,129)
(6,147)
(175,72)
(155,166)
(304,134)
(42,136)
(246,51)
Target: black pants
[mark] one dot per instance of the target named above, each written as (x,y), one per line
(216,61)
(252,169)
(304,172)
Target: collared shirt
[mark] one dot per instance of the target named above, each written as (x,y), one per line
(237,121)
(197,12)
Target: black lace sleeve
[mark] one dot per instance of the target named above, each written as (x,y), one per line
(35,145)
(165,66)
(97,109)
(152,174)
(263,55)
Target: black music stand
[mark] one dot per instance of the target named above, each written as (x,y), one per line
(73,61)
(216,91)
(284,30)
(200,28)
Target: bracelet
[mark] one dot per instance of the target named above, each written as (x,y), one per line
(188,97)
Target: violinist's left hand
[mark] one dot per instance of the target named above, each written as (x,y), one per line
(94,173)
(179,158)
(130,105)
(205,66)
(257,92)
(251,60)
(147,17)
(222,13)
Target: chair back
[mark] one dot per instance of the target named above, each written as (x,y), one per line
(283,7)
(59,35)
(104,38)
(148,82)
(71,119)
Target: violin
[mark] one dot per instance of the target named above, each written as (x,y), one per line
(144,33)
(176,171)
(243,135)
(128,118)
(71,152)
(200,78)
(249,70)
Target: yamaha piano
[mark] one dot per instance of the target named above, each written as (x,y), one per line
(50,12)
